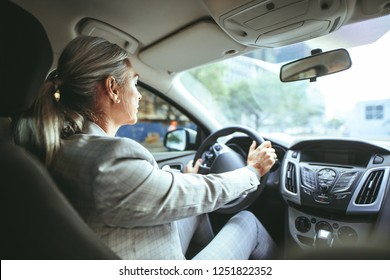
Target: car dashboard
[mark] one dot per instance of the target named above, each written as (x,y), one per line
(333,186)
(337,186)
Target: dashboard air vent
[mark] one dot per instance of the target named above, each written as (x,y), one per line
(370,188)
(291,178)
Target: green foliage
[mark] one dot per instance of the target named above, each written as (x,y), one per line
(212,78)
(262,102)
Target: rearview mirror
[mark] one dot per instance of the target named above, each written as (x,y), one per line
(317,65)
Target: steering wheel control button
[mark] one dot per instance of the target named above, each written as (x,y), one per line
(302,224)
(218,147)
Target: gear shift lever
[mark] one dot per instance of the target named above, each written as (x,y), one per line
(323,239)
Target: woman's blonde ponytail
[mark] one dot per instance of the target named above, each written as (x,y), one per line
(67,98)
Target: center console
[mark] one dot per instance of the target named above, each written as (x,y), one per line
(334,191)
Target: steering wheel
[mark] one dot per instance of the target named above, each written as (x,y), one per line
(218,158)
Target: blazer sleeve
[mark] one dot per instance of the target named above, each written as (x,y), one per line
(130,190)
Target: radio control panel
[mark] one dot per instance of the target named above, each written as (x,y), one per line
(327,185)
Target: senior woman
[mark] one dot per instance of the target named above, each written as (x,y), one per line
(139,210)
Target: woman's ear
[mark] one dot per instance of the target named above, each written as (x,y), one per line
(112,89)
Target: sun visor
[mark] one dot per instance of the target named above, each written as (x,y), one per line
(200,43)
(277,23)
(92,27)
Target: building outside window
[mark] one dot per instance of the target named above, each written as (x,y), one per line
(374,112)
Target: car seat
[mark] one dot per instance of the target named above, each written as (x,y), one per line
(37,220)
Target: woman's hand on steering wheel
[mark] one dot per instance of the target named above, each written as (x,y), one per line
(191,167)
(224,159)
(261,158)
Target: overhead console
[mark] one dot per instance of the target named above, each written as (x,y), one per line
(275,23)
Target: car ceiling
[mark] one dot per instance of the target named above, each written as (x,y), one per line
(171,35)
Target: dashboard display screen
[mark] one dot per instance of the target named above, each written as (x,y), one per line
(339,158)
(336,156)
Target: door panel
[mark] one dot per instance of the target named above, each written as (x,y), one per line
(174,160)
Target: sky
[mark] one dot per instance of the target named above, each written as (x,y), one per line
(367,79)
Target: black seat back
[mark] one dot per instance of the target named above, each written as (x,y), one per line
(37,220)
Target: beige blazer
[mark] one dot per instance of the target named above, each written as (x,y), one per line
(118,188)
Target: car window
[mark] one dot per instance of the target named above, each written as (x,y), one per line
(155,118)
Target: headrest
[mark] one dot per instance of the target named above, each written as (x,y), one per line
(26,57)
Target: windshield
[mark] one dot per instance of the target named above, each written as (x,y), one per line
(246,90)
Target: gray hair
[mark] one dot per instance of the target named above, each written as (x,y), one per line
(68,96)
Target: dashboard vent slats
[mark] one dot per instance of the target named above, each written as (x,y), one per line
(291,178)
(370,188)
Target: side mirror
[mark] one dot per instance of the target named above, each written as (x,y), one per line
(180,139)
(317,65)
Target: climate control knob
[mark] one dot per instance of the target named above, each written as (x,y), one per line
(302,224)
(347,235)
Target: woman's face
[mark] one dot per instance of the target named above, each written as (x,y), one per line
(130,98)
